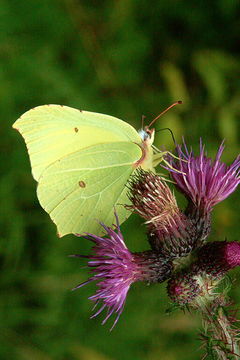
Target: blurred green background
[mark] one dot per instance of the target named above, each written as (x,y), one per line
(125,58)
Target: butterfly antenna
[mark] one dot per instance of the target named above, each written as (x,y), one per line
(143,118)
(163,112)
(171,134)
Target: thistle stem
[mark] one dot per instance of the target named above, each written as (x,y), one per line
(220,335)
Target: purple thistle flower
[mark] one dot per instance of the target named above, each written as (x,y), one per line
(116,268)
(205,182)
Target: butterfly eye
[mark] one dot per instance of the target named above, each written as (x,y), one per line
(146,133)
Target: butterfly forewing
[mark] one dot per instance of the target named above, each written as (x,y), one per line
(54,131)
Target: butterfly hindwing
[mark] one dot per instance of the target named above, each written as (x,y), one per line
(86,185)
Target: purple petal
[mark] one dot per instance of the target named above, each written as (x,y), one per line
(204,181)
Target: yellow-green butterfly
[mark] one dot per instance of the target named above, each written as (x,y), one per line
(82,162)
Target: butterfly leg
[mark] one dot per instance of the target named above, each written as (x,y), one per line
(160,157)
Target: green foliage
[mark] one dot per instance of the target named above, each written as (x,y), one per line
(124,58)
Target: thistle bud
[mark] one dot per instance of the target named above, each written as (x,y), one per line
(170,231)
(183,288)
(218,257)
(197,284)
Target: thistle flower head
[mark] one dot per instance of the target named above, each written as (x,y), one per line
(183,288)
(115,268)
(152,198)
(205,182)
(218,257)
(170,231)
(198,283)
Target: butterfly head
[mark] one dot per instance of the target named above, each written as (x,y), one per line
(147,135)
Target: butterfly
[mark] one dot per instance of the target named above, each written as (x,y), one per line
(82,161)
